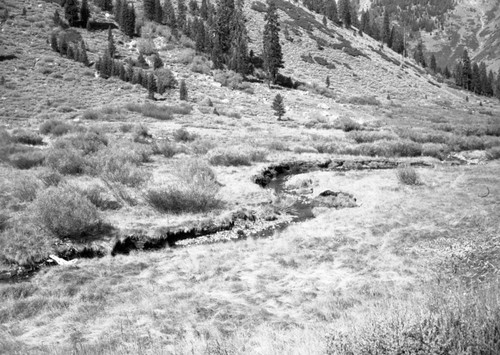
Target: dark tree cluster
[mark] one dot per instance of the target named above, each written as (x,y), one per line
(125,16)
(475,77)
(75,51)
(105,5)
(75,15)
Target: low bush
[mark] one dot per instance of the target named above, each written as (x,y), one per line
(423,136)
(278,145)
(385,148)
(229,79)
(407,175)
(229,113)
(202,146)
(364,100)
(186,56)
(25,188)
(55,127)
(371,136)
(182,109)
(49,177)
(151,110)
(67,161)
(87,142)
(183,135)
(91,115)
(96,194)
(169,149)
(194,191)
(29,138)
(493,153)
(346,124)
(235,156)
(435,150)
(65,212)
(200,65)
(459,143)
(27,160)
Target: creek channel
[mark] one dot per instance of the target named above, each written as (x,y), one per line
(291,205)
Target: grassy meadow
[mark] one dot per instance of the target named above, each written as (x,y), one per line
(85,161)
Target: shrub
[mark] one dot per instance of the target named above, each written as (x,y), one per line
(364,100)
(202,146)
(169,149)
(49,177)
(91,115)
(195,190)
(86,142)
(65,212)
(346,124)
(55,127)
(407,175)
(151,110)
(67,161)
(229,78)
(141,134)
(27,160)
(97,196)
(439,151)
(146,46)
(4,221)
(235,156)
(183,135)
(493,153)
(278,145)
(30,138)
(200,65)
(186,56)
(25,188)
(371,136)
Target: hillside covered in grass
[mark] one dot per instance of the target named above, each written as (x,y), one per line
(154,201)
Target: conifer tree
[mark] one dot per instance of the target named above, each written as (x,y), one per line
(111,43)
(392,36)
(183,93)
(278,106)
(466,71)
(331,11)
(272,54)
(158,12)
(70,53)
(157,62)
(119,12)
(53,42)
(497,86)
(129,72)
(63,46)
(433,64)
(483,79)
(365,23)
(106,65)
(57,18)
(181,14)
(83,58)
(459,71)
(354,15)
(491,83)
(84,13)
(151,86)
(193,7)
(217,55)
(128,15)
(141,62)
(418,55)
(223,22)
(149,9)
(446,72)
(169,14)
(200,36)
(204,10)
(123,73)
(386,31)
(327,81)
(476,79)
(71,11)
(345,12)
(239,41)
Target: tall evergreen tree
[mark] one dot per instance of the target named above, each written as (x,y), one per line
(433,64)
(483,78)
(223,22)
(53,42)
(345,12)
(204,10)
(128,12)
(158,12)
(272,54)
(151,86)
(71,11)
(278,106)
(331,11)
(169,14)
(497,86)
(82,57)
(238,60)
(466,71)
(181,14)
(217,55)
(84,13)
(200,36)
(491,84)
(476,79)
(354,15)
(391,38)
(446,72)
(365,23)
(183,93)
(193,7)
(111,43)
(119,12)
(386,31)
(459,72)
(149,9)
(418,55)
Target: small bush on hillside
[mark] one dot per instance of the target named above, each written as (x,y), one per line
(4,220)
(439,151)
(202,146)
(29,138)
(371,136)
(65,213)
(421,136)
(146,46)
(493,153)
(346,124)
(200,65)
(92,115)
(25,188)
(27,160)
(195,190)
(278,145)
(86,142)
(186,56)
(169,149)
(364,100)
(49,177)
(97,196)
(55,127)
(235,156)
(151,110)
(67,161)
(183,135)
(229,78)
(407,175)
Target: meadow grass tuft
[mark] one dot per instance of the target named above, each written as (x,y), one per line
(408,175)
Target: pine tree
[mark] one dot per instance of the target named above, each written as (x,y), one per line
(71,12)
(466,71)
(106,65)
(24,11)
(200,36)
(331,11)
(365,23)
(111,43)
(151,86)
(63,46)
(223,22)
(392,36)
(327,81)
(71,53)
(84,13)
(149,9)
(128,14)
(53,42)
(169,14)
(272,54)
(497,86)
(459,72)
(217,55)
(193,7)
(345,12)
(183,93)
(123,73)
(83,58)
(129,72)
(239,41)
(418,55)
(181,14)
(386,31)
(433,64)
(141,62)
(476,79)
(278,106)
(446,72)
(354,15)
(491,84)
(157,62)
(204,10)
(483,79)
(158,12)
(57,18)
(119,12)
